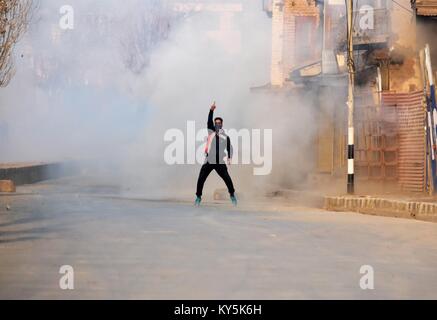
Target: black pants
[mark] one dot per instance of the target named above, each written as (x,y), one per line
(222,171)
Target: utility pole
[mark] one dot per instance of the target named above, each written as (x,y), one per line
(350,102)
(432,114)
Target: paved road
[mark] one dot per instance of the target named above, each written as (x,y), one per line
(134,248)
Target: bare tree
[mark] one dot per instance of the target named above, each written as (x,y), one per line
(145,30)
(14,19)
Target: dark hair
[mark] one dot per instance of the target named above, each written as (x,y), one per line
(218,118)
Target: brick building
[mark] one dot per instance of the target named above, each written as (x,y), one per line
(295,34)
(309,52)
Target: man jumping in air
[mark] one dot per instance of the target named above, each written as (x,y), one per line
(218,142)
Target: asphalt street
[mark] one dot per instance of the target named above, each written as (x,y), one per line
(122,247)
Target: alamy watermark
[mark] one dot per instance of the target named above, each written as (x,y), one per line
(249,147)
(66,22)
(367,280)
(66,282)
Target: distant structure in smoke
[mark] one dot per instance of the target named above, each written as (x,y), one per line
(224,12)
(14,18)
(147,28)
(123,34)
(79,82)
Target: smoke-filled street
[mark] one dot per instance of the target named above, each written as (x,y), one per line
(243,150)
(128,247)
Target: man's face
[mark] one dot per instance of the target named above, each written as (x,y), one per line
(218,124)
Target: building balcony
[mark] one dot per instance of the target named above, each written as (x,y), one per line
(372,27)
(425,7)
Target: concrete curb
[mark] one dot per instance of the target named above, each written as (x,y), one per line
(409,209)
(31,173)
(426,211)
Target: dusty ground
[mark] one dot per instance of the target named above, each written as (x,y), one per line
(129,247)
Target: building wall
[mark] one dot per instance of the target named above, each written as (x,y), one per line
(289,43)
(406,77)
(284,35)
(426,34)
(277,75)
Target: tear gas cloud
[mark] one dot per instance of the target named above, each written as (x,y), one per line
(108,90)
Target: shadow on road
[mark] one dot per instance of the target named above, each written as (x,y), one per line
(18,239)
(22,234)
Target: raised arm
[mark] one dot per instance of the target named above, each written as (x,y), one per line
(211,125)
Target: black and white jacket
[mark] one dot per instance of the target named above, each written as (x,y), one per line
(218,145)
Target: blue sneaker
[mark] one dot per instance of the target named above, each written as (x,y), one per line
(198,201)
(234,200)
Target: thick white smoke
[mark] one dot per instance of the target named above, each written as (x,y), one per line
(101,94)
